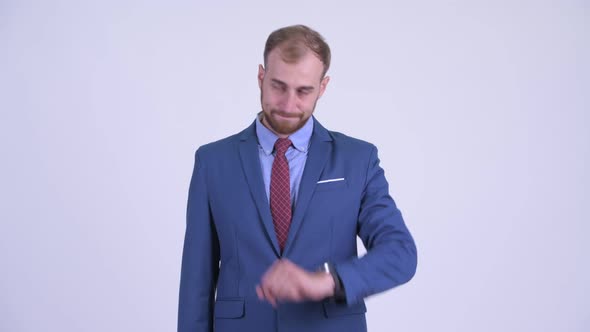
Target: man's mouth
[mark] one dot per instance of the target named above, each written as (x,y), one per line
(287,115)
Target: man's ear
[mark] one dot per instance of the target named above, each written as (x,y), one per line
(323,85)
(260,75)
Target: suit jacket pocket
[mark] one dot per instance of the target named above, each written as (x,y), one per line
(229,308)
(332,309)
(335,185)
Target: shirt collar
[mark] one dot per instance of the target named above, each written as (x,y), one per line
(300,138)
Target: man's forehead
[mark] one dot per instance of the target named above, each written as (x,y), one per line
(305,71)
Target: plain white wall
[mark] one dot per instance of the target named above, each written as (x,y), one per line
(480,110)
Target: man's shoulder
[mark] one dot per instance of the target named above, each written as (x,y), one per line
(219,145)
(226,144)
(350,142)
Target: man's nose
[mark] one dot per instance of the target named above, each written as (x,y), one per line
(289,102)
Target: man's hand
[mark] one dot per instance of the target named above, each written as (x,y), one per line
(287,282)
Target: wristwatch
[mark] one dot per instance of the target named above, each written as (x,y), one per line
(339,295)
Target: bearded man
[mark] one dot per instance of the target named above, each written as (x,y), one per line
(274,212)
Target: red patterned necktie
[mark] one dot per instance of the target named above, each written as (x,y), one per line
(280,192)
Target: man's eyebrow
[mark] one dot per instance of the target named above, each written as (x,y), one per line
(281,83)
(274,80)
(307,88)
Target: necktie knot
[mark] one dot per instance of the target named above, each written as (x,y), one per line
(281,145)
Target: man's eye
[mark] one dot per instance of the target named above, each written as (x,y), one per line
(304,92)
(278,87)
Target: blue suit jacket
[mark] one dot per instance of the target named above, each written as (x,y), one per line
(230,239)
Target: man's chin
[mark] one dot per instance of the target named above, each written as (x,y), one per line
(286,130)
(287,127)
(283,124)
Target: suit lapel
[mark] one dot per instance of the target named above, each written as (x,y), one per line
(253,173)
(319,151)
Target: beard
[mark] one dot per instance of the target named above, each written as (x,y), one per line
(281,122)
(284,123)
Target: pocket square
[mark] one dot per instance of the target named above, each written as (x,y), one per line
(330,180)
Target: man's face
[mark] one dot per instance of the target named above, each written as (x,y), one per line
(289,91)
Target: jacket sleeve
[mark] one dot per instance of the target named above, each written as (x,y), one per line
(391,257)
(200,258)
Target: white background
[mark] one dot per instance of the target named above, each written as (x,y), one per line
(480,110)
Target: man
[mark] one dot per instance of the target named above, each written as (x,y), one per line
(274,212)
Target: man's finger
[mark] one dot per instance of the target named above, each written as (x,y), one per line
(259,292)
